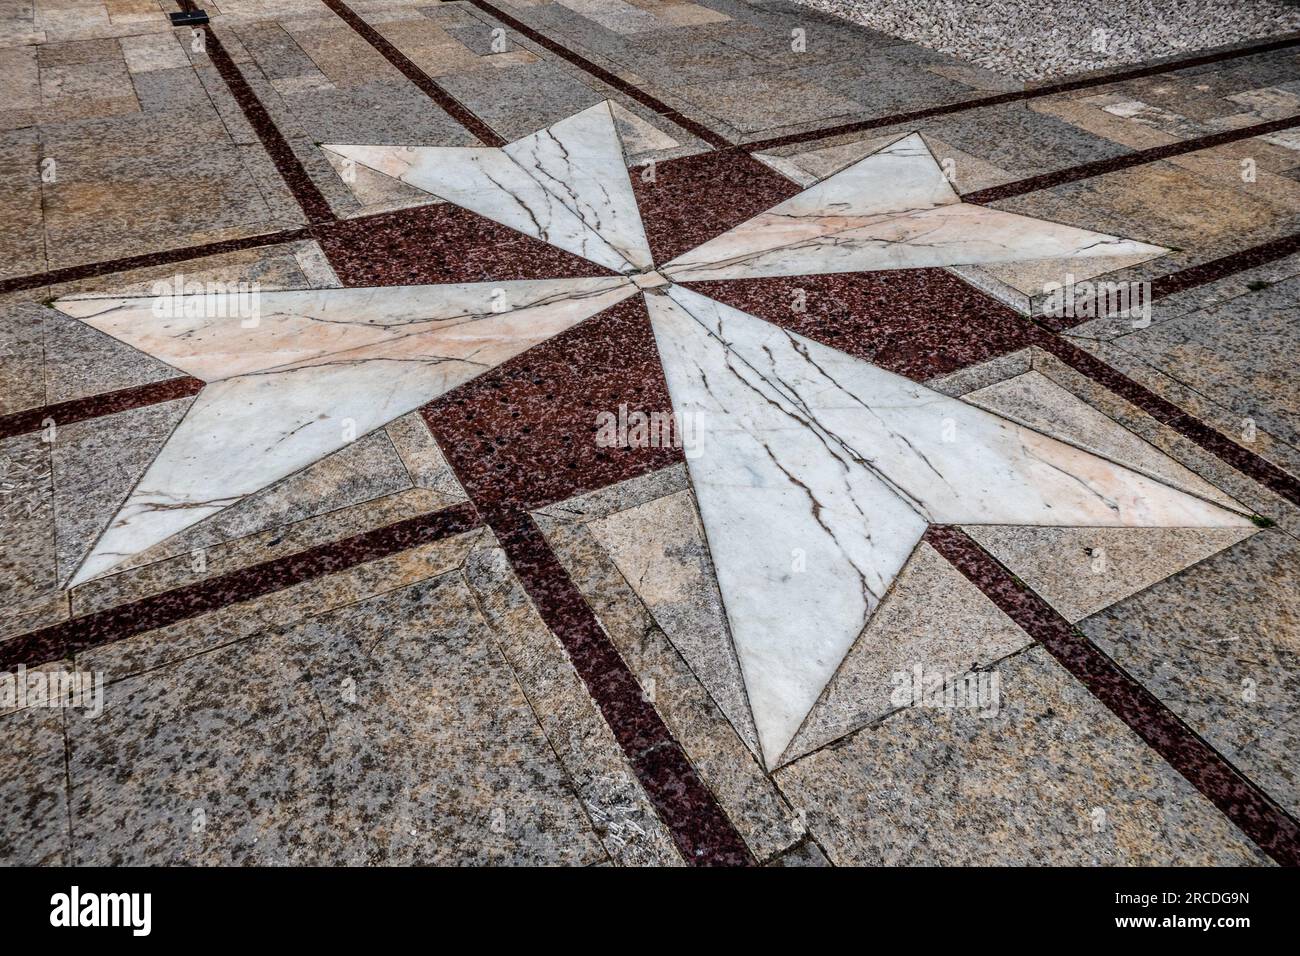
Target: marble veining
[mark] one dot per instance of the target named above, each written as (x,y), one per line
(317,370)
(894,209)
(818,473)
(566,184)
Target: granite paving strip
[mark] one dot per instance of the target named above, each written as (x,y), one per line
(113,624)
(600,73)
(422,80)
(1249,807)
(166,257)
(97,406)
(1165,412)
(700,828)
(1102,79)
(1136,158)
(314,204)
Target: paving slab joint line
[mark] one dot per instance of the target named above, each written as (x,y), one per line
(1246,804)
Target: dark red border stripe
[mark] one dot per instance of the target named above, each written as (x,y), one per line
(112,624)
(165,257)
(95,406)
(605,76)
(449,104)
(1271,828)
(685,804)
(1136,158)
(1167,413)
(291,169)
(1065,86)
(1225,266)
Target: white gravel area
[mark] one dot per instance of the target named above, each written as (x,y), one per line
(1046,39)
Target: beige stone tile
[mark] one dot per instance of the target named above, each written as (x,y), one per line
(1053,778)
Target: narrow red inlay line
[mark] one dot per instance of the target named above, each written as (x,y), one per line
(1137,158)
(96,406)
(165,257)
(700,828)
(1224,266)
(1167,413)
(1253,811)
(290,168)
(159,610)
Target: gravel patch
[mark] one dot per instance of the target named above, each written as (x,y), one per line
(1047,39)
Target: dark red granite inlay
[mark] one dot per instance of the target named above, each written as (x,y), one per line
(441,243)
(695,198)
(163,258)
(603,75)
(1015,96)
(1136,158)
(685,804)
(95,406)
(1224,266)
(1246,805)
(422,80)
(112,624)
(523,435)
(919,322)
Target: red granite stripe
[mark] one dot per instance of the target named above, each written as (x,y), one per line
(290,168)
(605,76)
(449,104)
(95,406)
(700,828)
(1167,413)
(1136,158)
(165,257)
(1257,815)
(113,624)
(1225,266)
(1016,96)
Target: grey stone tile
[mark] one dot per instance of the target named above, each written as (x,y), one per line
(33,789)
(1240,354)
(520,100)
(1053,778)
(660,550)
(724,762)
(376,113)
(932,617)
(1020,140)
(22,355)
(1079,571)
(1220,645)
(27,547)
(81,360)
(388,732)
(624,817)
(96,465)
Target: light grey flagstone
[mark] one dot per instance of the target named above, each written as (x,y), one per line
(817,473)
(894,209)
(567,185)
(316,370)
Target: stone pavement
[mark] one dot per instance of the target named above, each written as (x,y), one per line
(648,432)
